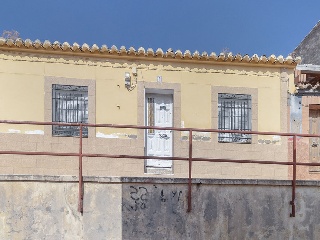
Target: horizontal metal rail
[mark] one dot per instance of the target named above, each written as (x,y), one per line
(64,154)
(285,134)
(190,158)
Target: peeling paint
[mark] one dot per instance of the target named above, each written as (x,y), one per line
(200,136)
(132,136)
(276,139)
(13,131)
(184,138)
(102,135)
(115,135)
(295,114)
(40,132)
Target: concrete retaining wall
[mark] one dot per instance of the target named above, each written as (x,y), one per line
(48,210)
(42,207)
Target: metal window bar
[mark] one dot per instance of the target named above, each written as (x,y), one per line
(69,105)
(234,113)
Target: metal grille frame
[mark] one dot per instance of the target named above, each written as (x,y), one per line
(69,105)
(234,113)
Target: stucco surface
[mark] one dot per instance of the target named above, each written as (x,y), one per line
(46,210)
(29,71)
(40,207)
(156,211)
(27,79)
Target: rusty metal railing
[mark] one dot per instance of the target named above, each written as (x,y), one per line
(294,163)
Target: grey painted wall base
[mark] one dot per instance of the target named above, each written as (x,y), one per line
(48,210)
(45,207)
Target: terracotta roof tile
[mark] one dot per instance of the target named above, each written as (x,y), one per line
(141,52)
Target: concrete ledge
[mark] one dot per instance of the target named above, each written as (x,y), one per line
(38,178)
(199,181)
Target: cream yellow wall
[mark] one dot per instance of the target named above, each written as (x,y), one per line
(24,83)
(22,88)
(291,86)
(269,102)
(196,105)
(196,93)
(114,103)
(21,94)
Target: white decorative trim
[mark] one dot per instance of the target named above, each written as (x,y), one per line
(112,63)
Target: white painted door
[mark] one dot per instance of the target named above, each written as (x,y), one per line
(159,142)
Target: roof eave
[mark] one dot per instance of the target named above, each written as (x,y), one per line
(65,48)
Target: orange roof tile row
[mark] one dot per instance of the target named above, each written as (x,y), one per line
(159,53)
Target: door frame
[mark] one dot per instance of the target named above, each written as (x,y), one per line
(158,92)
(315,108)
(155,87)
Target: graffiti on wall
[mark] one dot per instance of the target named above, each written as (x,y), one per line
(141,197)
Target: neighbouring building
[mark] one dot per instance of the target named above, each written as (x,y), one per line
(305,103)
(43,81)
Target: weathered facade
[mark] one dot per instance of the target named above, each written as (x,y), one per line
(131,209)
(305,103)
(43,81)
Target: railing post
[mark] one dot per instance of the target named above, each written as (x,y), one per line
(294,176)
(190,172)
(80,204)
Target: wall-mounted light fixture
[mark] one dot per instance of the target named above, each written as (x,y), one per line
(127,80)
(134,71)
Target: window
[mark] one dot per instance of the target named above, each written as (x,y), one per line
(151,119)
(69,105)
(234,113)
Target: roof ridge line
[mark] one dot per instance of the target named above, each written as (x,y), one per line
(56,46)
(314,27)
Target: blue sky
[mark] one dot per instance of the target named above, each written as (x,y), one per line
(246,26)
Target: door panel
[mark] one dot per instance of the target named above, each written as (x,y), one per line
(159,112)
(314,143)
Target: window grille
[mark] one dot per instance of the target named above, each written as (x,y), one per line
(234,113)
(69,105)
